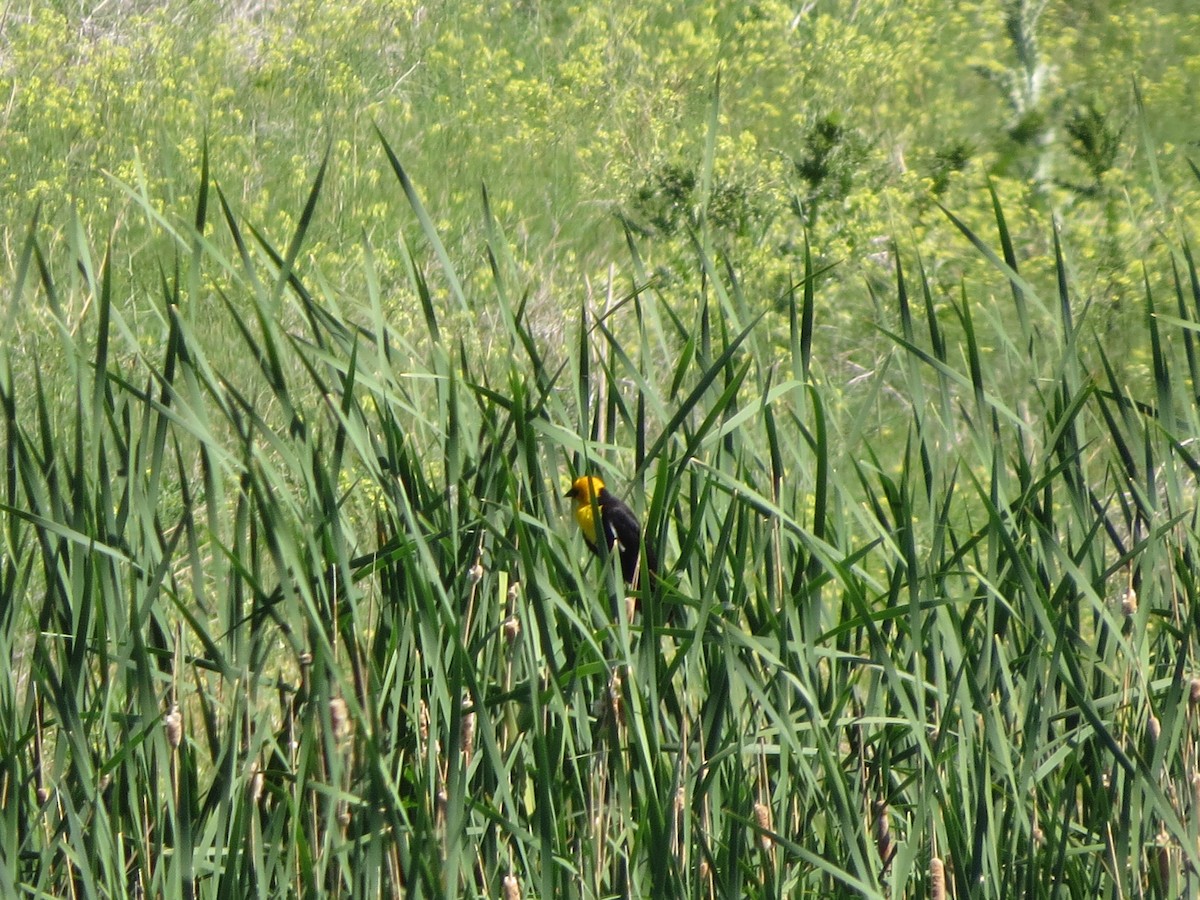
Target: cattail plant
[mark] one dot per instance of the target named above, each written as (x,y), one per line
(937,879)
(762,818)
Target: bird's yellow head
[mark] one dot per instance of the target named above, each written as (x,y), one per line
(586,490)
(583,489)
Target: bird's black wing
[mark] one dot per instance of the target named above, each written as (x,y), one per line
(621,525)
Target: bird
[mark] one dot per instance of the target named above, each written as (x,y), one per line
(617,523)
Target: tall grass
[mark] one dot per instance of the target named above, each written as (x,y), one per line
(317,621)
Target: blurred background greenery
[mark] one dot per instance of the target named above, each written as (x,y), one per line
(845,121)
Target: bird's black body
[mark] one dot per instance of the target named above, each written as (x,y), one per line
(618,525)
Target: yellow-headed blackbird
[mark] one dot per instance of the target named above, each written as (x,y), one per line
(618,523)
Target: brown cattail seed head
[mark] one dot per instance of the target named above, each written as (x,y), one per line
(42,796)
(883,831)
(173,724)
(423,723)
(468,737)
(511,887)
(1194,692)
(339,719)
(1129,603)
(514,591)
(616,700)
(475,573)
(762,818)
(1153,730)
(511,629)
(1163,843)
(937,879)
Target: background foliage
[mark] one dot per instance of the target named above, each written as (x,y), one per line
(844,119)
(883,316)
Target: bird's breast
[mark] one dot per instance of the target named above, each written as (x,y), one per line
(587,524)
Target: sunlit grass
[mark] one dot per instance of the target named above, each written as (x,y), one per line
(295,605)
